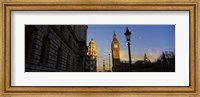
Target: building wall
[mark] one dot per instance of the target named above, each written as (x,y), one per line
(54,48)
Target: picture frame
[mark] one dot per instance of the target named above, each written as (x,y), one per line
(98,5)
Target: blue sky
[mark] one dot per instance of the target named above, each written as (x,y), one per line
(150,39)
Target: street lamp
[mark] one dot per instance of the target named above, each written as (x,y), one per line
(109,60)
(103,65)
(128,39)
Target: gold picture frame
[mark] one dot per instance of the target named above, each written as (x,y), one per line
(119,5)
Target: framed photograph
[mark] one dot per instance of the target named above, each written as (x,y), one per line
(98,48)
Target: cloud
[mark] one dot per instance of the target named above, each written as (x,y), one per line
(134,57)
(152,54)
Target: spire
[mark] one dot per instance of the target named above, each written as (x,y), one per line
(146,59)
(114,35)
(92,40)
(145,56)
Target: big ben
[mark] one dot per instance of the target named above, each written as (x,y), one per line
(115,53)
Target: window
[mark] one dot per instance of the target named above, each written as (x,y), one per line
(68,62)
(74,28)
(85,36)
(62,29)
(74,64)
(29,37)
(59,58)
(69,39)
(45,50)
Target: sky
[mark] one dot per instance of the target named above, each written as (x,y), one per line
(149,39)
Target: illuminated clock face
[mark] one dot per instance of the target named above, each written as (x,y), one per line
(115,46)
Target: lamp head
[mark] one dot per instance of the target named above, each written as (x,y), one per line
(128,35)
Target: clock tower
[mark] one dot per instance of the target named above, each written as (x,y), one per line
(115,54)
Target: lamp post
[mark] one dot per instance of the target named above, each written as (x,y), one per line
(103,65)
(109,61)
(128,39)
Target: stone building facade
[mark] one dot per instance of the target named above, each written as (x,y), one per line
(91,57)
(55,48)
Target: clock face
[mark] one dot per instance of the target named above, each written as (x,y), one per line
(115,46)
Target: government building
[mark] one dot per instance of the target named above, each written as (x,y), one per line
(55,48)
(91,57)
(115,54)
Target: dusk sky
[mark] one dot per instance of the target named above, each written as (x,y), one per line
(149,39)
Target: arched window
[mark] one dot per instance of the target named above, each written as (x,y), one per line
(45,50)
